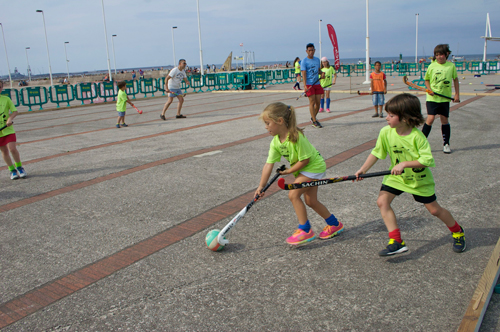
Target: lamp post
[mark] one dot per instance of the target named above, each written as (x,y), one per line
(199,37)
(416,40)
(173,44)
(113,43)
(320,38)
(28,61)
(66,54)
(6,56)
(106,38)
(47,44)
(367,66)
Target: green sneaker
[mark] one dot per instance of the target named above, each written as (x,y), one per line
(459,241)
(394,247)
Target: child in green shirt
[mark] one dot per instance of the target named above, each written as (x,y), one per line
(439,78)
(411,158)
(8,137)
(306,164)
(120,104)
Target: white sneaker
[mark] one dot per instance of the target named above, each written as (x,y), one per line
(446,148)
(14,175)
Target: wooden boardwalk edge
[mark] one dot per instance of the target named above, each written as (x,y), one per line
(481,298)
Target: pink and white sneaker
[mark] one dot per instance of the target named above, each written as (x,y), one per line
(321,110)
(299,237)
(328,110)
(331,231)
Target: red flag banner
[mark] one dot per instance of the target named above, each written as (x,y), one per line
(333,38)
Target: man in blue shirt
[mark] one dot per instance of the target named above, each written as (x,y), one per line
(310,69)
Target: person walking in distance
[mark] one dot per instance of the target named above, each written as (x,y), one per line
(173,88)
(311,74)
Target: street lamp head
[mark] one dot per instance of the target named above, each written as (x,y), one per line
(27,48)
(113,36)
(66,42)
(39,11)
(174,27)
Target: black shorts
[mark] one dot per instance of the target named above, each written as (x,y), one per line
(434,108)
(420,199)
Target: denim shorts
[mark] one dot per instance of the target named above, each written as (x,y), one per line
(175,92)
(378,99)
(121,113)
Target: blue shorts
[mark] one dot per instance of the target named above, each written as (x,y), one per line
(121,113)
(175,93)
(378,99)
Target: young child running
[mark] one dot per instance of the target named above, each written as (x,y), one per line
(378,83)
(121,107)
(8,137)
(326,83)
(306,164)
(438,78)
(411,158)
(296,65)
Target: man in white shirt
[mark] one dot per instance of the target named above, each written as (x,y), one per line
(173,88)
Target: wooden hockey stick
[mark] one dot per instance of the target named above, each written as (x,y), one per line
(405,79)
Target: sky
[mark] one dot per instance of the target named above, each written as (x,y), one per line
(274,30)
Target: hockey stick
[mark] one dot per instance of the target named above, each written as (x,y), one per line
(138,110)
(227,228)
(405,79)
(2,128)
(305,91)
(315,183)
(363,93)
(175,94)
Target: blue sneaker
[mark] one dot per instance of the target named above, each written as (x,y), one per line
(459,241)
(117,125)
(124,125)
(21,172)
(394,247)
(14,175)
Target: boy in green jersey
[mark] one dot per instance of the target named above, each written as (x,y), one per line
(120,104)
(439,78)
(411,158)
(8,137)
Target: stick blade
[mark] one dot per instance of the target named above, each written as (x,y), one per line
(281,183)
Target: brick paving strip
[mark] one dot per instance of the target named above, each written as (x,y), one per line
(53,291)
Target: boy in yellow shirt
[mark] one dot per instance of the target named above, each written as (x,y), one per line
(439,78)
(120,104)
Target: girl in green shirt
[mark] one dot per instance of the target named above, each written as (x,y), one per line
(306,164)
(326,83)
(296,64)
